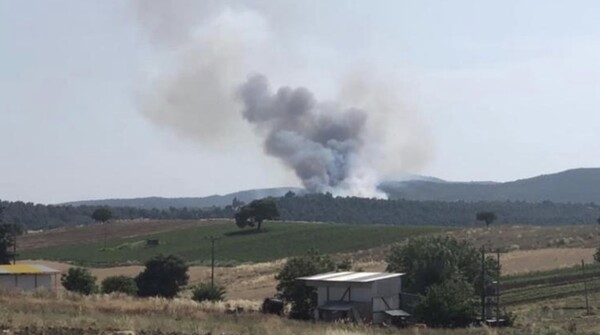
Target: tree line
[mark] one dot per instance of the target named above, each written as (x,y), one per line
(324,208)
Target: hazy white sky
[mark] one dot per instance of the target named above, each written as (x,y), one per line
(500,91)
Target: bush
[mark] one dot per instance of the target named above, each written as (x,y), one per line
(79,280)
(302,298)
(448,304)
(597,255)
(163,277)
(433,260)
(120,284)
(205,292)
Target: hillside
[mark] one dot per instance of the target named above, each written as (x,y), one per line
(572,186)
(194,202)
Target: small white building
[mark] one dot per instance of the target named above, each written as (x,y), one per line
(360,296)
(27,277)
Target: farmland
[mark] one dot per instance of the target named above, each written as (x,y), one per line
(234,246)
(542,282)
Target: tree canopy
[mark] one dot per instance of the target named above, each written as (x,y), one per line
(79,280)
(163,277)
(256,212)
(8,240)
(436,264)
(102,214)
(325,208)
(487,217)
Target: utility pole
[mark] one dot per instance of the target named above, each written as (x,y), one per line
(587,304)
(212,260)
(498,290)
(14,246)
(483,318)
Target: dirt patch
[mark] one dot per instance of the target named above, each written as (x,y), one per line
(97,232)
(517,262)
(511,238)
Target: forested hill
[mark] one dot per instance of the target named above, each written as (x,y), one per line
(574,186)
(194,202)
(326,208)
(319,207)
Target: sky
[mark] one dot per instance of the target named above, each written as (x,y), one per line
(474,90)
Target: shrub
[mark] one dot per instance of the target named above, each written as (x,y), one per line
(163,277)
(433,260)
(121,284)
(206,292)
(448,304)
(597,255)
(302,298)
(79,280)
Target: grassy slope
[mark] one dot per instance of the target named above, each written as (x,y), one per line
(278,240)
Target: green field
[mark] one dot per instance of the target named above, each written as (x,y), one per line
(235,246)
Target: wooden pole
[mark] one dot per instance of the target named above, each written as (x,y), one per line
(587,304)
(212,263)
(483,317)
(212,260)
(498,290)
(14,247)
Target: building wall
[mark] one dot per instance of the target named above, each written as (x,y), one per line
(387,287)
(371,294)
(26,282)
(357,293)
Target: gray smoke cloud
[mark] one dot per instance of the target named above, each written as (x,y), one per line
(319,141)
(198,84)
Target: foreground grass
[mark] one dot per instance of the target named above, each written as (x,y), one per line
(101,314)
(277,240)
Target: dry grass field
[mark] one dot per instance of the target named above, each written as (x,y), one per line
(47,313)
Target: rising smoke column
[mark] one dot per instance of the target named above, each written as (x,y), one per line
(198,84)
(319,141)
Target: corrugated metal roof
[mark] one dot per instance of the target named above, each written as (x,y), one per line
(352,277)
(26,269)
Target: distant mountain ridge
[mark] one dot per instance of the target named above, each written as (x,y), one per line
(575,186)
(571,186)
(191,202)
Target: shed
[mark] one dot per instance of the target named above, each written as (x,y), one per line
(27,277)
(361,296)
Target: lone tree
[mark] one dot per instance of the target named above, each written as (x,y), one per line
(488,217)
(163,277)
(102,215)
(256,212)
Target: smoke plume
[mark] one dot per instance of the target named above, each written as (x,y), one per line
(318,141)
(200,89)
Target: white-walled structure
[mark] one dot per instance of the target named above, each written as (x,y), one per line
(361,296)
(27,277)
